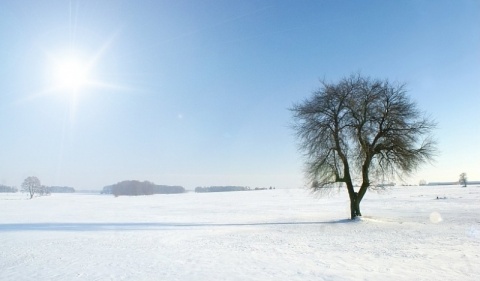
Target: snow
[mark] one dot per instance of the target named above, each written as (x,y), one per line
(284,234)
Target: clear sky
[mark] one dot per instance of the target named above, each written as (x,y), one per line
(196,93)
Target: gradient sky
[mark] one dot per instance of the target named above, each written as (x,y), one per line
(196,93)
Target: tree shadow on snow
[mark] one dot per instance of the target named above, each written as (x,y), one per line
(16,227)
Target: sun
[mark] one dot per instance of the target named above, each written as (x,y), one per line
(70,74)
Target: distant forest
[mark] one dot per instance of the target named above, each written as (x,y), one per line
(60,189)
(7,189)
(220,188)
(136,188)
(50,189)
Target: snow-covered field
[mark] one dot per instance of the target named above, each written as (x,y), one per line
(405,234)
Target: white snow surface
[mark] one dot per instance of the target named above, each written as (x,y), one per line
(406,233)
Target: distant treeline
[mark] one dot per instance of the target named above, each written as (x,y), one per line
(60,189)
(451,183)
(8,189)
(135,188)
(221,188)
(228,188)
(47,189)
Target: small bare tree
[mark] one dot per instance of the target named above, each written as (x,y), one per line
(463,179)
(363,129)
(32,186)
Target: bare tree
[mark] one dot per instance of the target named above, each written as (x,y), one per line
(463,179)
(32,186)
(361,129)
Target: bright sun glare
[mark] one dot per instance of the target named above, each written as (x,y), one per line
(70,74)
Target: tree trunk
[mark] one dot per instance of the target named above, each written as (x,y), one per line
(355,206)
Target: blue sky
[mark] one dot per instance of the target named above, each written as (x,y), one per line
(196,93)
